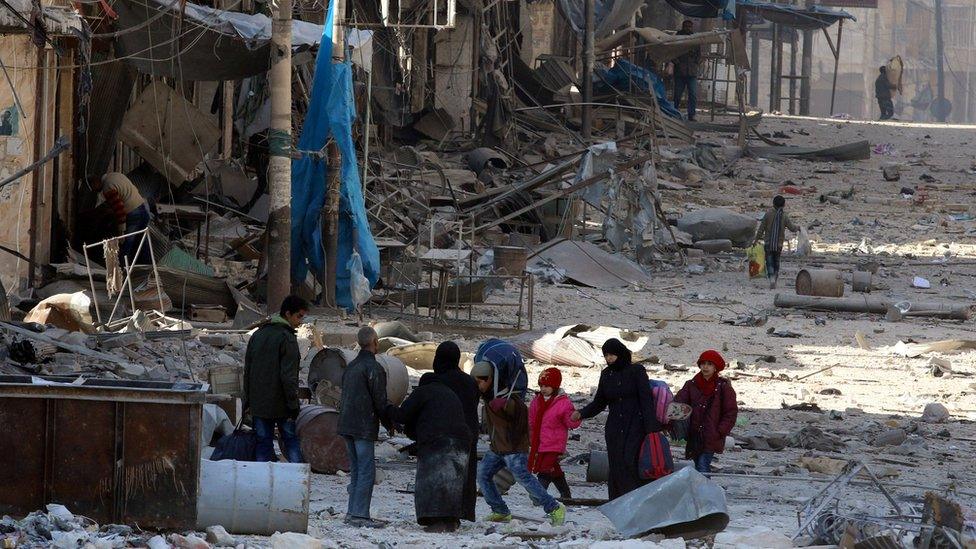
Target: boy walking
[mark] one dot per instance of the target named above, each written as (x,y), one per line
(509,433)
(550,419)
(773,228)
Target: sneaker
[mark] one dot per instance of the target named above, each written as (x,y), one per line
(359,522)
(558,516)
(499,517)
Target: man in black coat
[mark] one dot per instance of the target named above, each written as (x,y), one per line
(432,416)
(447,368)
(686,73)
(362,408)
(882,91)
(271,380)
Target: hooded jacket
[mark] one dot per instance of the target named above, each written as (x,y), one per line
(271,370)
(556,422)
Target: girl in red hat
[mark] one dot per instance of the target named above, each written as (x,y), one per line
(713,411)
(550,419)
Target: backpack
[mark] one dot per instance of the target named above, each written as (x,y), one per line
(655,459)
(510,375)
(662,399)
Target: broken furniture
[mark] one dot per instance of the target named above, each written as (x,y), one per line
(120,452)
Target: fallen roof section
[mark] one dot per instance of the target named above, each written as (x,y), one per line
(859,150)
(803,18)
(589,265)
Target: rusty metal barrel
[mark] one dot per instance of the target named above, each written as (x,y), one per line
(510,260)
(325,368)
(861,282)
(598,469)
(820,282)
(322,447)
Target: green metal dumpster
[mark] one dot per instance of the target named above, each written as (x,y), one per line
(124,452)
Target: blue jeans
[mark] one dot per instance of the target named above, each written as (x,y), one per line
(264,428)
(681,83)
(518,464)
(362,475)
(703,463)
(136,220)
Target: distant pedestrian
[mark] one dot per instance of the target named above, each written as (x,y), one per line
(550,419)
(363,407)
(447,367)
(772,228)
(713,411)
(686,73)
(271,365)
(509,448)
(130,210)
(625,388)
(432,415)
(882,91)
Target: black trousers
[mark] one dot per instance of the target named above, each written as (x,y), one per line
(887,108)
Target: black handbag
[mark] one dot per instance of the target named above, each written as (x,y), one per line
(241,445)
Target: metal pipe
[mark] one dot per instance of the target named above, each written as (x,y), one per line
(833,86)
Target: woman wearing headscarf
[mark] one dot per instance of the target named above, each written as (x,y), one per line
(447,368)
(626,390)
(432,416)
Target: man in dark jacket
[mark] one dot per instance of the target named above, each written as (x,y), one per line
(882,91)
(362,408)
(432,415)
(686,73)
(447,368)
(271,380)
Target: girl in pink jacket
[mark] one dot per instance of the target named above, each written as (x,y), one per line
(549,425)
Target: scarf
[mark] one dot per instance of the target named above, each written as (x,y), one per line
(706,386)
(447,357)
(536,437)
(614,346)
(775,230)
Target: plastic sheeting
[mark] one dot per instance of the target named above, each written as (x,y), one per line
(682,504)
(608,15)
(623,73)
(331,112)
(188,41)
(705,9)
(797,17)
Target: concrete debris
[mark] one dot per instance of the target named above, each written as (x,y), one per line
(935,413)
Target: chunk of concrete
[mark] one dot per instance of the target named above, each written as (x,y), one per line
(718,224)
(218,537)
(935,413)
(294,540)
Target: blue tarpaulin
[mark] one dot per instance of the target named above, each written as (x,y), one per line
(623,73)
(331,112)
(705,9)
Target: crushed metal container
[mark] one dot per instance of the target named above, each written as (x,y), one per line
(124,452)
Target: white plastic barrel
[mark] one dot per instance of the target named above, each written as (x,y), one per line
(254,498)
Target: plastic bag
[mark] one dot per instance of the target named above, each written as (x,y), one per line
(803,246)
(757,261)
(359,287)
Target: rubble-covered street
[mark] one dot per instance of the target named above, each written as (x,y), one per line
(237,239)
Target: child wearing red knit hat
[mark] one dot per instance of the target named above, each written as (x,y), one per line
(549,424)
(713,411)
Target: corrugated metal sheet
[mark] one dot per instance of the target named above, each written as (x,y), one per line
(112,85)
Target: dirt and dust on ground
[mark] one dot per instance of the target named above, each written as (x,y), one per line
(815,389)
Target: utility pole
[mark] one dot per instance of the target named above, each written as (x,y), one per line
(334,178)
(588,60)
(940,113)
(279,169)
(806,72)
